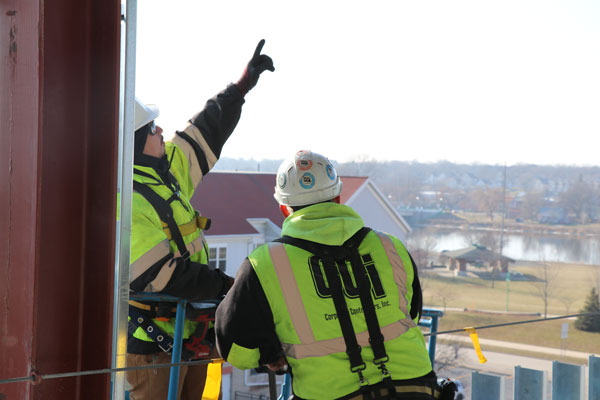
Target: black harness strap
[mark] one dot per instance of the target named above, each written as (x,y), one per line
(331,255)
(353,349)
(165,213)
(138,319)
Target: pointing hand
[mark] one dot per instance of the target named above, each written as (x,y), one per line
(257,65)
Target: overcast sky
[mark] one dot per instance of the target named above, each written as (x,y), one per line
(491,82)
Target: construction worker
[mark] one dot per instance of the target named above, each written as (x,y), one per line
(168,251)
(335,303)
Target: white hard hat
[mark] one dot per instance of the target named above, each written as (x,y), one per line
(144,113)
(307,179)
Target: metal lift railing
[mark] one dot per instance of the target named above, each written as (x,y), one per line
(430,319)
(177,335)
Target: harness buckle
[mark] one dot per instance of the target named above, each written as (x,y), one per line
(384,370)
(358,368)
(186,255)
(166,349)
(363,381)
(381,360)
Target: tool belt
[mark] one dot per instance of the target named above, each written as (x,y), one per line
(381,392)
(197,345)
(426,388)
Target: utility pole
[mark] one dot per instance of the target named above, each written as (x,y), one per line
(502,236)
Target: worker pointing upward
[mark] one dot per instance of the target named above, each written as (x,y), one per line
(335,302)
(168,251)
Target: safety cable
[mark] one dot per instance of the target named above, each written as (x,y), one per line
(39,378)
(512,323)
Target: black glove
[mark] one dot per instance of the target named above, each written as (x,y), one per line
(257,65)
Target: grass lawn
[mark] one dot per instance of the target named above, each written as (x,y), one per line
(568,286)
(547,333)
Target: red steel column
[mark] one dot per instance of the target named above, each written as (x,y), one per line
(59,82)
(19,84)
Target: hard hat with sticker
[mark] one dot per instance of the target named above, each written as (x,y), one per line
(307,178)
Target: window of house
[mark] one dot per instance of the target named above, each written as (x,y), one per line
(217,257)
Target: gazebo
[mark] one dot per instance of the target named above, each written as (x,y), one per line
(475,254)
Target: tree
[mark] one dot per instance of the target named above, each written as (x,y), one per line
(566,301)
(590,323)
(421,247)
(489,200)
(446,293)
(580,199)
(546,284)
(532,204)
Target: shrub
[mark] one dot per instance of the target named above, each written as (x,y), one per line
(590,323)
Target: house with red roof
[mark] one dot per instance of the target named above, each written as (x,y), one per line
(244,214)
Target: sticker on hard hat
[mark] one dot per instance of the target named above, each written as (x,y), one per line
(330,172)
(304,165)
(307,180)
(281,181)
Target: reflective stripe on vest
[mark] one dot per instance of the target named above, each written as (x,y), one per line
(308,346)
(399,271)
(149,258)
(156,253)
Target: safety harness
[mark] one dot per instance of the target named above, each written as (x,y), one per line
(142,314)
(330,256)
(165,213)
(386,389)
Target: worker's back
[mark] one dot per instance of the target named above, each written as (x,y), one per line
(306,321)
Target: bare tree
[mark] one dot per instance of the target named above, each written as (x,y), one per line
(361,165)
(532,204)
(546,284)
(447,355)
(421,247)
(489,200)
(446,293)
(580,199)
(567,302)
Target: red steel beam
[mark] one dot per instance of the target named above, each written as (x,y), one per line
(59,84)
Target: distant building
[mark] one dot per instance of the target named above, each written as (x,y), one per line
(553,215)
(475,254)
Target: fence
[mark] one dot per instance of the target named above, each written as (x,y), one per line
(568,383)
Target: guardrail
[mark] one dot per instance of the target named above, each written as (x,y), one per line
(568,383)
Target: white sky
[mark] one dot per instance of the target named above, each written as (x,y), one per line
(494,82)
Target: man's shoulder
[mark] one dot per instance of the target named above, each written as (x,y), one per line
(259,251)
(395,240)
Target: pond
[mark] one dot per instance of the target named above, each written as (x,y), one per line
(529,247)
